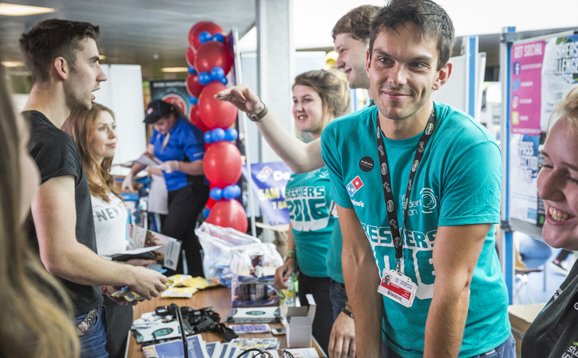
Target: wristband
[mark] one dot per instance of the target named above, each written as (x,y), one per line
(291,254)
(347,312)
(257,117)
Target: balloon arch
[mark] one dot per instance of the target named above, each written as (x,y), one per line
(209,63)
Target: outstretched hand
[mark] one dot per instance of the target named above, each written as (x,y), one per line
(243,98)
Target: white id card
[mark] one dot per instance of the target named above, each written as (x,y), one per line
(398,287)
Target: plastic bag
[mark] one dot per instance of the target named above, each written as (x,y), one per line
(228,251)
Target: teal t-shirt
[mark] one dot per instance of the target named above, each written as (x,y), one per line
(334,255)
(307,196)
(458,183)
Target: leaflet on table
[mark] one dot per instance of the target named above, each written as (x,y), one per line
(167,254)
(259,343)
(174,349)
(148,161)
(250,328)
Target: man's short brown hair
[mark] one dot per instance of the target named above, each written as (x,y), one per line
(50,39)
(356,22)
(430,18)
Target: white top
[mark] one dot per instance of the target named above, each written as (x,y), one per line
(110,224)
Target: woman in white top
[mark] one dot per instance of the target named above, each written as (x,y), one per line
(94,134)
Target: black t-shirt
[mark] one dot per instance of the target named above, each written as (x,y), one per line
(554,333)
(56,155)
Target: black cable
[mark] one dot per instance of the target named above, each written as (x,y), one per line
(261,353)
(177,311)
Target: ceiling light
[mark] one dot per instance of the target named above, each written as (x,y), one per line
(12,63)
(175,69)
(23,10)
(101,57)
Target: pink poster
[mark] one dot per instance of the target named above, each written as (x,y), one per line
(525,100)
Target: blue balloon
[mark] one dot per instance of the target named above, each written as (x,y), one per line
(224,80)
(231,134)
(193,100)
(217,135)
(217,73)
(206,213)
(238,189)
(229,192)
(205,36)
(208,138)
(204,78)
(219,37)
(192,71)
(216,194)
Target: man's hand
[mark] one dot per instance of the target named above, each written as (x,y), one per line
(342,339)
(283,272)
(127,183)
(149,283)
(243,98)
(170,166)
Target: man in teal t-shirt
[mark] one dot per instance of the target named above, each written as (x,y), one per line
(460,306)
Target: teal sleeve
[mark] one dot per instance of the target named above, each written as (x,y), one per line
(472,187)
(332,157)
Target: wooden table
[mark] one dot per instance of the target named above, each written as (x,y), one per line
(219,298)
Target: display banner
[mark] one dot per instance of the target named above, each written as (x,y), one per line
(543,72)
(524,168)
(526,87)
(173,92)
(269,182)
(559,73)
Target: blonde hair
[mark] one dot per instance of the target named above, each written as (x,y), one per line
(81,125)
(567,108)
(36,315)
(332,87)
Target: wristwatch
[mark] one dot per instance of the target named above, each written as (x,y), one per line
(257,117)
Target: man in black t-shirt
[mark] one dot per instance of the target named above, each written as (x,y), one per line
(63,58)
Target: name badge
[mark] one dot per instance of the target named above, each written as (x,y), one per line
(398,287)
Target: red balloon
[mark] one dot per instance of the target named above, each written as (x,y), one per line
(199,27)
(195,118)
(194,87)
(215,113)
(212,54)
(191,53)
(229,213)
(222,164)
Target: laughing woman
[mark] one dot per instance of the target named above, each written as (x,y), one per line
(554,332)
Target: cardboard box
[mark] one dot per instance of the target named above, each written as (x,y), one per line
(299,323)
(521,316)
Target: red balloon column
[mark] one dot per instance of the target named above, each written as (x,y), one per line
(210,61)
